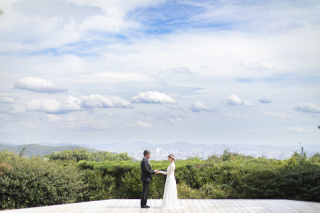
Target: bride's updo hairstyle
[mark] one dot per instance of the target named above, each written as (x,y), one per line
(171,156)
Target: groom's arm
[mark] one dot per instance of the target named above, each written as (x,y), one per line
(146,169)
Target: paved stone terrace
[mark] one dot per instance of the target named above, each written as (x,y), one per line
(190,206)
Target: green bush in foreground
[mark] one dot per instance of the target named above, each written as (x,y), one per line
(34,182)
(97,186)
(253,180)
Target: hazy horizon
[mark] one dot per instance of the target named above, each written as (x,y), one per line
(163,143)
(115,71)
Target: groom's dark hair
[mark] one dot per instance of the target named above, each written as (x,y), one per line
(146,152)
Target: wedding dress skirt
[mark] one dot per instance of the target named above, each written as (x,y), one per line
(170,196)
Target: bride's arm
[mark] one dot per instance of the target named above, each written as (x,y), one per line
(171,169)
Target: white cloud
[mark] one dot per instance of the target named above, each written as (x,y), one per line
(233,100)
(265,100)
(71,103)
(89,48)
(247,103)
(258,66)
(86,120)
(70,118)
(167,116)
(174,108)
(53,118)
(236,115)
(296,129)
(197,106)
(142,124)
(46,105)
(100,101)
(153,97)
(175,120)
(277,115)
(181,71)
(176,96)
(139,124)
(6,99)
(86,124)
(38,85)
(307,108)
(57,23)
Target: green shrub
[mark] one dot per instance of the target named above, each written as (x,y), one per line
(131,185)
(83,154)
(4,168)
(216,191)
(34,182)
(292,161)
(315,159)
(186,192)
(97,186)
(300,182)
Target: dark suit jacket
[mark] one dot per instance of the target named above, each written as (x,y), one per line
(146,172)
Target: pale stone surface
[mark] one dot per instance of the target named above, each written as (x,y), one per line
(190,206)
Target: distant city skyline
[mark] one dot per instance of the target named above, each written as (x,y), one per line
(184,150)
(232,72)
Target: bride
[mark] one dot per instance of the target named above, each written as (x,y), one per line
(170,197)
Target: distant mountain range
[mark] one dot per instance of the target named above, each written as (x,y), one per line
(38,150)
(185,146)
(47,148)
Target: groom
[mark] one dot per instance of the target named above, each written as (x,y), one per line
(146,177)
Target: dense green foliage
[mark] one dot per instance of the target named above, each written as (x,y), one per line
(75,176)
(230,176)
(34,182)
(83,154)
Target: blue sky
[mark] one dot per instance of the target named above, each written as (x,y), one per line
(160,71)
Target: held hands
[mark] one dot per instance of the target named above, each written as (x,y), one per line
(157,172)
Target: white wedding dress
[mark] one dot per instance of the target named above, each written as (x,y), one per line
(170,196)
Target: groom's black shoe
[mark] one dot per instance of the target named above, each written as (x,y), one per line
(145,206)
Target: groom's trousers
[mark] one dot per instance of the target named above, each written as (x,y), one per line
(144,195)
